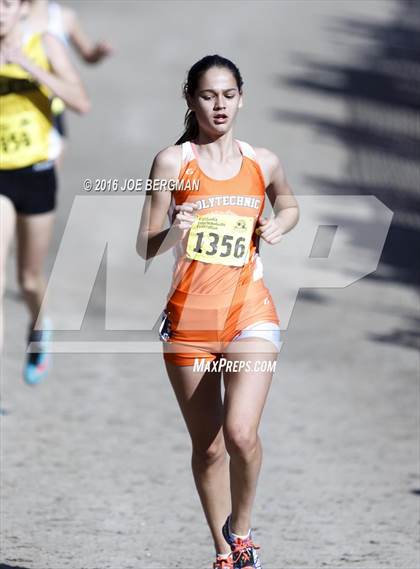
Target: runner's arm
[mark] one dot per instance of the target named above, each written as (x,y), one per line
(151,239)
(89,51)
(285,206)
(63,81)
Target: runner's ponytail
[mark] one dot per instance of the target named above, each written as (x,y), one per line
(191,127)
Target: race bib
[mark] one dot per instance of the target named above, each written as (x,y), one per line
(220,239)
(22,139)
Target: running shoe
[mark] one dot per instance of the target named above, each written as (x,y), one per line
(223,563)
(244,551)
(38,364)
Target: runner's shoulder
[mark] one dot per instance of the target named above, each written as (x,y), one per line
(268,160)
(168,161)
(68,17)
(51,43)
(267,157)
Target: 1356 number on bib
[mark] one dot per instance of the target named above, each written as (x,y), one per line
(221,239)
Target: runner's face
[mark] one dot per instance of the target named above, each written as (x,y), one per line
(216,101)
(10,12)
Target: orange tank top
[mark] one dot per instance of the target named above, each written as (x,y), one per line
(220,251)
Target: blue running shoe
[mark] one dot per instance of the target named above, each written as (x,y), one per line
(244,551)
(38,364)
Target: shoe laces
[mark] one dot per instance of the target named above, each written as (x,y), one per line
(223,563)
(242,549)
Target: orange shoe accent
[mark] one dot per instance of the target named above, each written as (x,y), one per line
(223,563)
(241,549)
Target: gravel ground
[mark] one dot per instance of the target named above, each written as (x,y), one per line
(95,461)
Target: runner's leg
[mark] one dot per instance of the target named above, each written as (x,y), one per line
(34,236)
(7,229)
(199,397)
(245,395)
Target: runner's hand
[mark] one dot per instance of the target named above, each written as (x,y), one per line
(184,218)
(99,52)
(270,230)
(13,54)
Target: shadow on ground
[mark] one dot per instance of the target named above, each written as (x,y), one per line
(381,133)
(5,566)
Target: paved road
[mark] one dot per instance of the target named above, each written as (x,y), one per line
(95,469)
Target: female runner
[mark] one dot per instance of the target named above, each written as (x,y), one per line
(63,22)
(33,68)
(45,15)
(218,308)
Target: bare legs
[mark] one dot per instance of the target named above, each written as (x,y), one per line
(7,229)
(231,426)
(245,396)
(34,236)
(199,397)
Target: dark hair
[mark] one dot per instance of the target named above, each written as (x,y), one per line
(191,84)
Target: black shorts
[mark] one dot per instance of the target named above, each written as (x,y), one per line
(32,190)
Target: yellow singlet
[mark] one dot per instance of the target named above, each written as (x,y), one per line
(25,111)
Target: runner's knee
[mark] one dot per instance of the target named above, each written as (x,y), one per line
(209,453)
(240,440)
(29,281)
